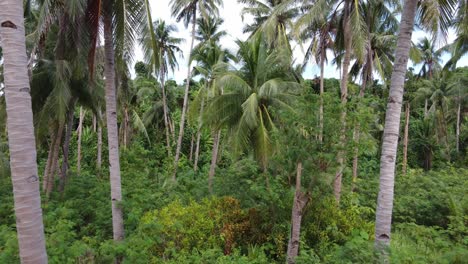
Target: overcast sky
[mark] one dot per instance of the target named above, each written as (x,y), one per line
(233,25)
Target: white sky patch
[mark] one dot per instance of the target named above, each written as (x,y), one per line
(233,25)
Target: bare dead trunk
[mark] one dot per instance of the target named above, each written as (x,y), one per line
(214,158)
(405,140)
(300,201)
(384,210)
(341,156)
(66,147)
(184,108)
(80,132)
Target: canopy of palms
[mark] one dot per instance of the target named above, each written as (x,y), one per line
(263,84)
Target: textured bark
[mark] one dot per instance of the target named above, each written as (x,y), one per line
(214,159)
(22,145)
(391,131)
(197,148)
(112,131)
(55,160)
(405,140)
(344,99)
(80,132)
(66,147)
(300,202)
(184,108)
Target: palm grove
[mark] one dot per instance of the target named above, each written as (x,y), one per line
(246,161)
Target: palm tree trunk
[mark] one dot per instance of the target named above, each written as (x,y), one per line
(426,106)
(126,126)
(45,176)
(184,108)
(191,148)
(22,145)
(66,147)
(322,89)
(300,202)
(55,158)
(99,148)
(112,131)
(94,123)
(80,132)
(405,140)
(344,99)
(391,131)
(357,128)
(214,159)
(197,148)
(458,125)
(165,110)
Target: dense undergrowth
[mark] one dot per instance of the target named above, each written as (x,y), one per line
(243,221)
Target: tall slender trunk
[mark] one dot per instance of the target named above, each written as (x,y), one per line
(45,176)
(341,157)
(94,123)
(197,148)
(126,127)
(405,140)
(112,131)
(66,147)
(300,201)
(55,160)
(458,125)
(165,110)
(392,128)
(99,148)
(357,128)
(426,106)
(214,159)
(22,144)
(191,148)
(80,132)
(184,108)
(322,89)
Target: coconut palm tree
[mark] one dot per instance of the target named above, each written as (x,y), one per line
(264,82)
(318,23)
(123,20)
(428,15)
(21,138)
(458,90)
(163,59)
(381,26)
(187,10)
(272,17)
